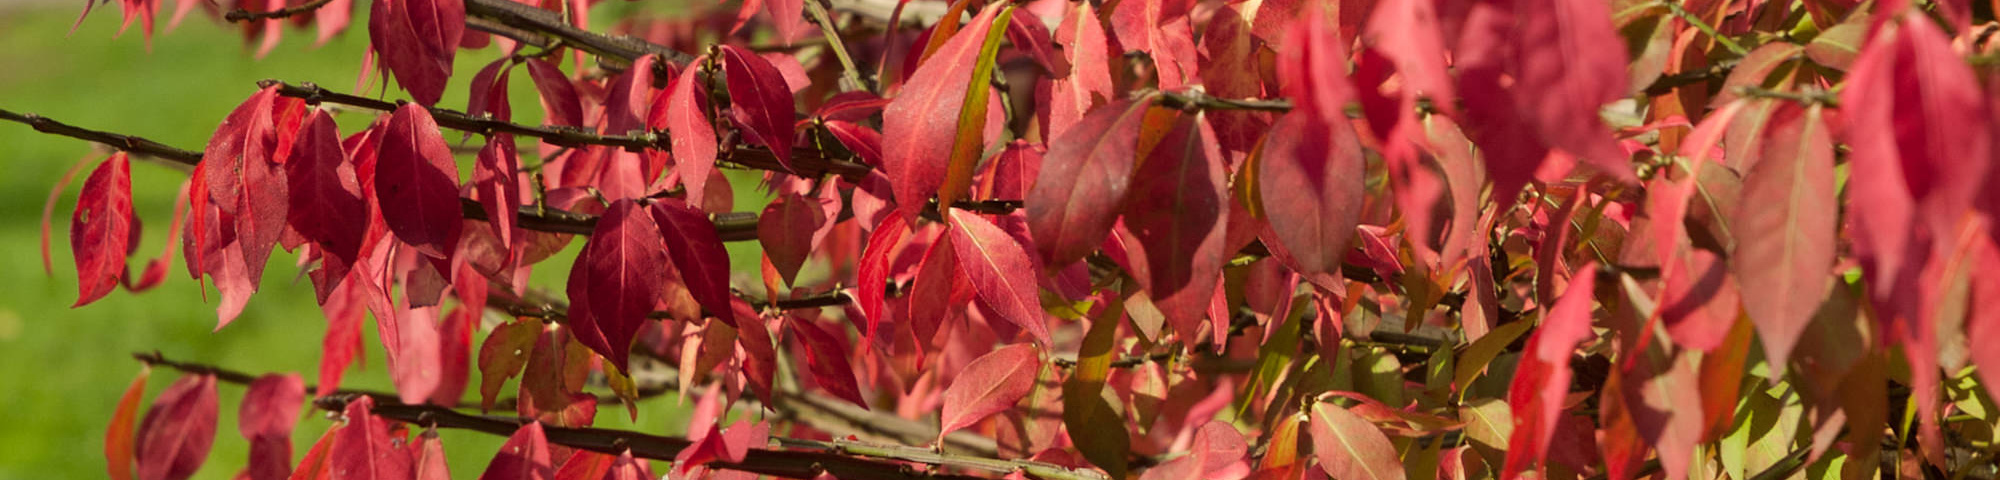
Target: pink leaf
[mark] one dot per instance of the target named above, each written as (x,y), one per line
(1088,83)
(100,233)
(525,456)
(429,463)
(684,116)
(1349,447)
(999,270)
(270,409)
(1787,223)
(496,174)
(788,18)
(1312,184)
(416,182)
(176,433)
(992,383)
(1083,183)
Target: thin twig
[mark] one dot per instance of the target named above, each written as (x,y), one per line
(796,458)
(618,48)
(241,15)
(850,74)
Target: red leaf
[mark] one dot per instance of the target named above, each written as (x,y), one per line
(119,437)
(1541,382)
(1349,447)
(1162,29)
(1088,83)
(1083,183)
(525,456)
(923,119)
(416,182)
(934,292)
(326,204)
(455,349)
(585,465)
(560,103)
(317,464)
(873,274)
(1563,75)
(1218,453)
(1786,245)
(826,358)
(788,18)
(1177,211)
(416,364)
(1000,271)
(992,383)
(1407,32)
(100,233)
(762,102)
(1312,68)
(345,309)
(178,430)
(698,255)
(617,284)
(684,116)
(786,230)
(270,409)
(1312,186)
(430,459)
(628,468)
(866,143)
(738,439)
(416,40)
(628,98)
(488,92)
(496,176)
(760,354)
(1919,128)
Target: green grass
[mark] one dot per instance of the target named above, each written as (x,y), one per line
(62,369)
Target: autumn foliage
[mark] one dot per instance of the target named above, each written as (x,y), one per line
(1155,239)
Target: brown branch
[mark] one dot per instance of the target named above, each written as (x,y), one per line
(796,458)
(807,162)
(241,15)
(521,17)
(130,144)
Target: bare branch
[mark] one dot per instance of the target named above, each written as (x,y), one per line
(241,15)
(784,457)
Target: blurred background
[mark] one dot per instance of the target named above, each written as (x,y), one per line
(61,369)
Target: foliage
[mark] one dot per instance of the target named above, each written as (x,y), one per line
(1355,239)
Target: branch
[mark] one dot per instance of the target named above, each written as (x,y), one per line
(1197,100)
(807,162)
(796,458)
(241,15)
(127,143)
(520,16)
